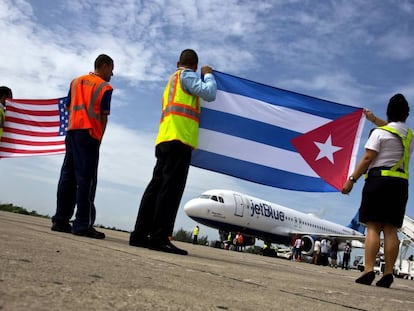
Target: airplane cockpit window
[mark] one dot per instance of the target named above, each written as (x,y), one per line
(212,197)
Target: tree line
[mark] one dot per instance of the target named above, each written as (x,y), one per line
(179,235)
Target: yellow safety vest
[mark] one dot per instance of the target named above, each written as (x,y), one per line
(180,116)
(405,159)
(196,231)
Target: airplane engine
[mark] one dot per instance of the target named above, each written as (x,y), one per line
(308,244)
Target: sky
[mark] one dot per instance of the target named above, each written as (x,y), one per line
(353,52)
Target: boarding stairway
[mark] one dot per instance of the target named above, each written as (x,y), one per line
(404,267)
(407,228)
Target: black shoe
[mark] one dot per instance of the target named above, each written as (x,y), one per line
(139,242)
(366,278)
(61,227)
(385,281)
(166,247)
(91,233)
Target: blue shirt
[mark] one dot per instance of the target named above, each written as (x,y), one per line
(193,84)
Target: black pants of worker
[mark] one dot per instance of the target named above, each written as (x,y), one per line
(77,183)
(161,199)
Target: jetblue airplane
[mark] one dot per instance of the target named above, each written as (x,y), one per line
(236,212)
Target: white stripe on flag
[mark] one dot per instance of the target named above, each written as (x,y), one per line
(23,116)
(34,138)
(250,151)
(254,109)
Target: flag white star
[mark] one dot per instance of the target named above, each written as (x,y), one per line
(326,149)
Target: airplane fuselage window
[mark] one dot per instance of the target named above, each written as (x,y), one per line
(214,198)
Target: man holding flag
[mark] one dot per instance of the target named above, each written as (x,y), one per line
(177,137)
(89,106)
(5,93)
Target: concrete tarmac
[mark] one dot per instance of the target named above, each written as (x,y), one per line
(45,270)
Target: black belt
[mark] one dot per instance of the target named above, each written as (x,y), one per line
(376,171)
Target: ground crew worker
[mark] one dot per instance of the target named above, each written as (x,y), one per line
(385,164)
(89,106)
(177,137)
(195,234)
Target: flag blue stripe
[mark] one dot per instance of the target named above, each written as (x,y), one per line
(258,173)
(248,129)
(280,97)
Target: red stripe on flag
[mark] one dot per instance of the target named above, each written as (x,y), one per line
(30,133)
(32,152)
(31,142)
(43,113)
(34,123)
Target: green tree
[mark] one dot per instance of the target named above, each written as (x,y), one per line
(187,236)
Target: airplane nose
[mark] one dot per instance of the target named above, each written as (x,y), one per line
(190,207)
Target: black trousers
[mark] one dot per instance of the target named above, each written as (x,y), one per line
(161,199)
(77,182)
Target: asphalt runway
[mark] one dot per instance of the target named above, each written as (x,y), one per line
(45,270)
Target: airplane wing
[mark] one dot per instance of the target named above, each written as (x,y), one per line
(341,238)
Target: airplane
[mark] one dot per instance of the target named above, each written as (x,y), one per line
(232,211)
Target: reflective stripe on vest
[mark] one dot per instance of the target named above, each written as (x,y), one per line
(180,115)
(87,115)
(405,159)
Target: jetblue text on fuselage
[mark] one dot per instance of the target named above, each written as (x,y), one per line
(266,210)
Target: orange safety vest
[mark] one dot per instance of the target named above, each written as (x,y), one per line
(180,114)
(86,95)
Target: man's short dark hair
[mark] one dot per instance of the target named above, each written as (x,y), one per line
(189,58)
(103,59)
(398,109)
(4,90)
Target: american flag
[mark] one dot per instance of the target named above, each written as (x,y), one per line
(34,127)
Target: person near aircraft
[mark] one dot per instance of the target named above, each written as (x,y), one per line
(176,139)
(324,252)
(334,253)
(297,249)
(346,256)
(239,242)
(196,231)
(385,164)
(316,252)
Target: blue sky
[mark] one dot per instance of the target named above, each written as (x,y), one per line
(357,53)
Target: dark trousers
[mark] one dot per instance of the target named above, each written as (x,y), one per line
(77,183)
(161,199)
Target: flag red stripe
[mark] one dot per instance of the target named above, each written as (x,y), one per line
(35,101)
(31,152)
(30,133)
(34,123)
(31,142)
(43,113)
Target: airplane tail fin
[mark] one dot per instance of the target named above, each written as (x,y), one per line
(356,225)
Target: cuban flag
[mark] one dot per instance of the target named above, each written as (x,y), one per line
(277,137)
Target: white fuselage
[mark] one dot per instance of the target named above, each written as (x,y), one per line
(232,211)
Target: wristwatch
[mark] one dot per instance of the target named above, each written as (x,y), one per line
(352,178)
